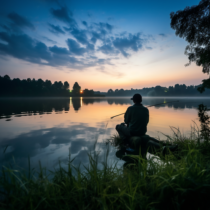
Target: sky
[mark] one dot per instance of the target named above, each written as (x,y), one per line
(99,44)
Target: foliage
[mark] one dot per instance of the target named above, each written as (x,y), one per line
(17,87)
(116,141)
(159,186)
(151,184)
(176,90)
(193,24)
(76,88)
(205,120)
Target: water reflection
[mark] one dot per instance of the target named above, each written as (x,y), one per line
(26,107)
(76,102)
(48,129)
(52,145)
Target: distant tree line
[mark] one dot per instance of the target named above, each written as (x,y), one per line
(177,90)
(31,87)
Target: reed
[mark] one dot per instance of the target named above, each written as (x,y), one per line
(149,184)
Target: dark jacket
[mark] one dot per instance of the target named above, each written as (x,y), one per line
(137,118)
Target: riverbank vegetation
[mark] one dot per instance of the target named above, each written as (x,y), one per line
(155,183)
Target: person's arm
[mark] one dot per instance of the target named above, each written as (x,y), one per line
(127,117)
(148,117)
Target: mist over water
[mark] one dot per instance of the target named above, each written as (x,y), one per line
(49,129)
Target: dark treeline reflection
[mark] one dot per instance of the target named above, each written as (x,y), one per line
(76,102)
(22,106)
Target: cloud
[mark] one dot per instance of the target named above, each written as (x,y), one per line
(55,29)
(28,49)
(20,21)
(79,35)
(108,49)
(5,27)
(83,41)
(59,50)
(64,15)
(100,31)
(23,47)
(131,42)
(149,48)
(162,35)
(75,48)
(104,26)
(30,144)
(85,23)
(114,74)
(49,40)
(96,36)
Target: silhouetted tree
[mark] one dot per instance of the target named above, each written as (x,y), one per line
(76,88)
(87,92)
(28,87)
(159,90)
(193,24)
(110,92)
(66,85)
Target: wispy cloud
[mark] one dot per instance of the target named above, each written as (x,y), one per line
(90,44)
(20,21)
(64,15)
(55,29)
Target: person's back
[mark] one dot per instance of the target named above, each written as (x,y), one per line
(133,135)
(137,118)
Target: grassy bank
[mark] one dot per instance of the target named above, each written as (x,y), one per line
(170,184)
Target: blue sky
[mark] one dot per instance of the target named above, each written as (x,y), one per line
(100,44)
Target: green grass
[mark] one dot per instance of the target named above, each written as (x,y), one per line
(170,184)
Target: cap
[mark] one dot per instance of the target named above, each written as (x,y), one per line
(137,97)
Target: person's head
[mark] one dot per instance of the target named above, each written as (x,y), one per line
(137,99)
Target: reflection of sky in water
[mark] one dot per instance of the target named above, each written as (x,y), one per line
(50,129)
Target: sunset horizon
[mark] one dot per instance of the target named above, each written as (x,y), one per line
(101,46)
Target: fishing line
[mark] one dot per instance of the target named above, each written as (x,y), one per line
(147,107)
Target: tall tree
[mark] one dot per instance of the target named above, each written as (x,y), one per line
(193,24)
(76,88)
(110,92)
(66,85)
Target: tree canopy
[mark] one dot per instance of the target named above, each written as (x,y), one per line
(193,24)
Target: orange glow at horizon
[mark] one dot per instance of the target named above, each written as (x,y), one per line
(98,115)
(136,73)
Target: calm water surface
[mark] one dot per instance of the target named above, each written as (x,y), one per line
(50,129)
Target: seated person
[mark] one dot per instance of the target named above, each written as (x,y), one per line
(136,119)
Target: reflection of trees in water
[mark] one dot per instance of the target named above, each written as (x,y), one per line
(119,101)
(76,102)
(87,101)
(21,107)
(32,106)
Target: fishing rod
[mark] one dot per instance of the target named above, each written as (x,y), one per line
(147,106)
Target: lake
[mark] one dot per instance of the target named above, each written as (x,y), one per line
(50,130)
